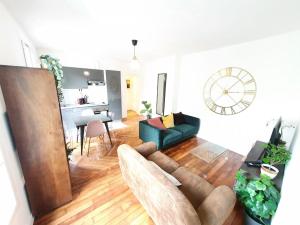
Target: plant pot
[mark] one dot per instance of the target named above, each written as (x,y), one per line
(269,170)
(249,220)
(148,116)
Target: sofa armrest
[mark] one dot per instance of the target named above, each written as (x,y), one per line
(150,133)
(146,149)
(217,206)
(192,120)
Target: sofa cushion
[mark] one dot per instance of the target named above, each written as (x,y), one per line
(169,176)
(146,149)
(168,120)
(186,129)
(217,206)
(178,118)
(194,187)
(170,136)
(156,122)
(166,163)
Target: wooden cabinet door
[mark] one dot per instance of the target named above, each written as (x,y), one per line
(35,120)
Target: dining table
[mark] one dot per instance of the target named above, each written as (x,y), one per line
(82,121)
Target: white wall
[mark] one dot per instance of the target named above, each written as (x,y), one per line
(11,53)
(287,212)
(133,93)
(83,60)
(273,62)
(149,81)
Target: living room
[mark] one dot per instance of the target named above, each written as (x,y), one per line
(190,42)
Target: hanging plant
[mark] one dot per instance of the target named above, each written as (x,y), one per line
(53,65)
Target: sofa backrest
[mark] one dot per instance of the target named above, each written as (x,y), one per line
(163,201)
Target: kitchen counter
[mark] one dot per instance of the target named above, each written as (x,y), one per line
(83,105)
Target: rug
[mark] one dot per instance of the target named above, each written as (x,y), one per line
(208,152)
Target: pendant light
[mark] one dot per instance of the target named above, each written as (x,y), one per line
(135,65)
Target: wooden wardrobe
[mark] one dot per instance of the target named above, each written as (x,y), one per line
(35,120)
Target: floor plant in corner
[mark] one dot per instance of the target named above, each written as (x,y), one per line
(259,197)
(147,109)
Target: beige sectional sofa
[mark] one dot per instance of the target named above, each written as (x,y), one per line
(194,202)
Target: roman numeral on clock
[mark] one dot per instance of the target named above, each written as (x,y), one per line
(213,107)
(245,103)
(249,81)
(228,71)
(232,110)
(209,102)
(223,110)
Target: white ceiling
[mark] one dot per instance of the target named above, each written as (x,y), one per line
(163,27)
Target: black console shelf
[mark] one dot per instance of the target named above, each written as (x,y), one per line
(256,154)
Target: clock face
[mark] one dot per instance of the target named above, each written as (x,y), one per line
(229,91)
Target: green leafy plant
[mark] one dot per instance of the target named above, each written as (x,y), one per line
(69,150)
(53,65)
(258,195)
(147,109)
(276,155)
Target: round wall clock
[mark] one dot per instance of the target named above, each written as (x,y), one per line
(229,91)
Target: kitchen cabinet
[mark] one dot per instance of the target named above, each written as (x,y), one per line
(113,82)
(96,75)
(80,78)
(74,78)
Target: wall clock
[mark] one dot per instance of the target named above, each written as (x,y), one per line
(229,91)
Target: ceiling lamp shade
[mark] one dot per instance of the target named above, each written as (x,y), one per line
(135,65)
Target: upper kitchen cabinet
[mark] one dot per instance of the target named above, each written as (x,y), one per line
(74,78)
(80,78)
(95,77)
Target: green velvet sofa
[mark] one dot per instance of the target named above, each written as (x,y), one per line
(167,138)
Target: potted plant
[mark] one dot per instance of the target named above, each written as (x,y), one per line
(274,155)
(69,150)
(53,65)
(147,109)
(259,197)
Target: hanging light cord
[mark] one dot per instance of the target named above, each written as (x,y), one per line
(134,43)
(134,52)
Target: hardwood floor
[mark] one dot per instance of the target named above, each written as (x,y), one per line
(101,197)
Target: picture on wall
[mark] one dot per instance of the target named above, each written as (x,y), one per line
(161,93)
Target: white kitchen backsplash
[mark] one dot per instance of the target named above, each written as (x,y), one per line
(96,94)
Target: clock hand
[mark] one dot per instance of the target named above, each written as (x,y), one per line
(232,99)
(220,86)
(236,82)
(244,92)
(218,97)
(236,92)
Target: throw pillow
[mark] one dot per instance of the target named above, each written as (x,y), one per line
(178,118)
(156,122)
(168,120)
(167,175)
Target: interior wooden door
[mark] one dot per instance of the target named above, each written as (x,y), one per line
(34,116)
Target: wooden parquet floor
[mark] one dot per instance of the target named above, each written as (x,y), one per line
(101,197)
